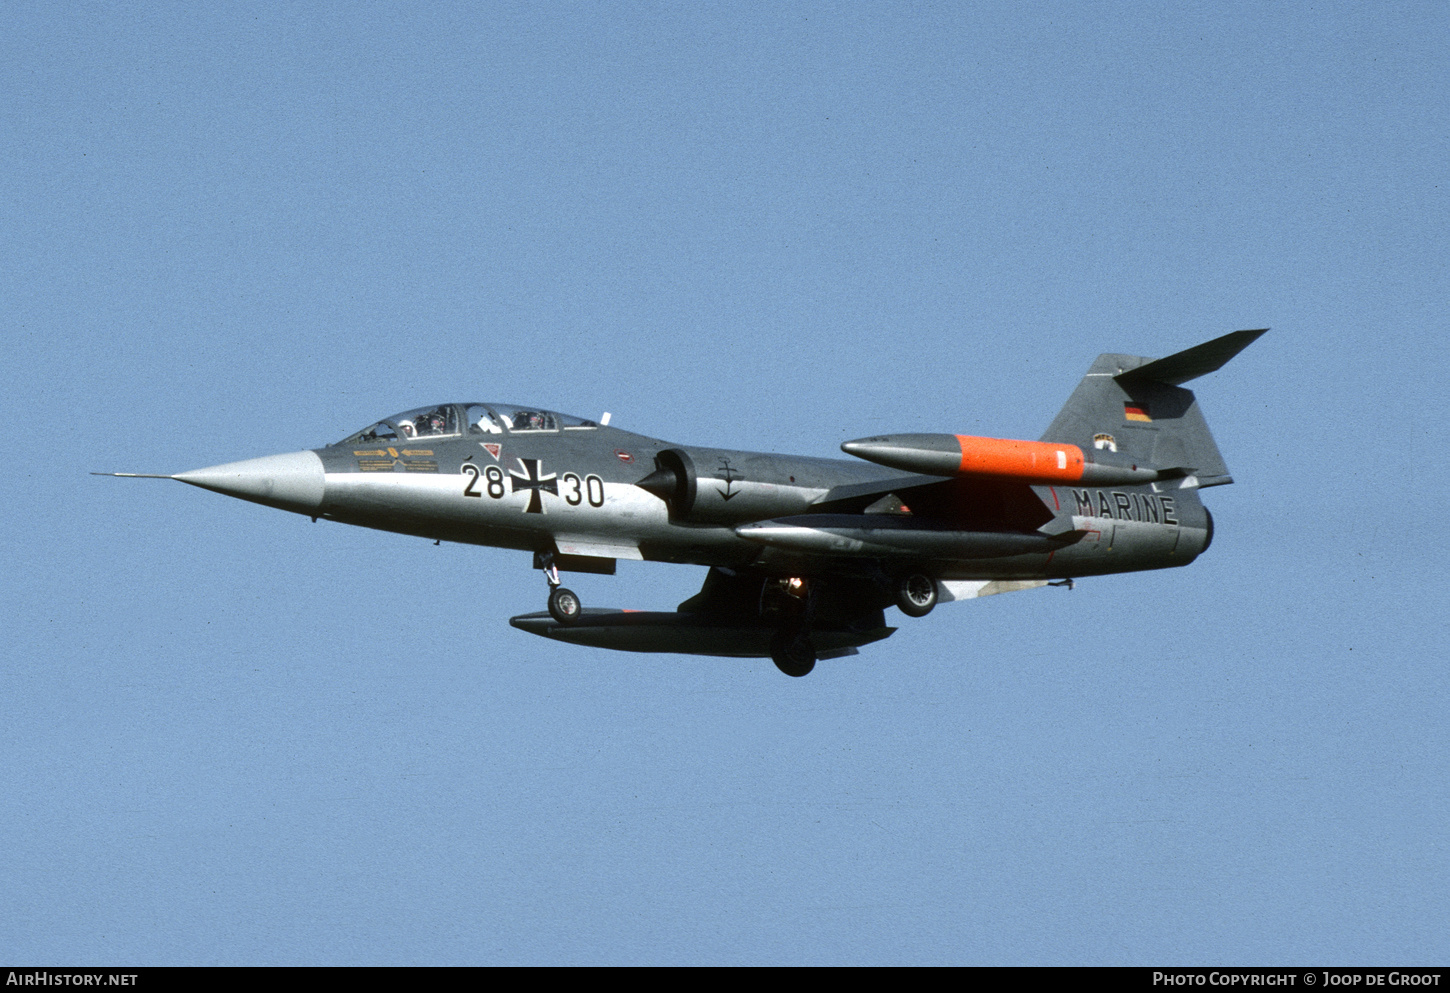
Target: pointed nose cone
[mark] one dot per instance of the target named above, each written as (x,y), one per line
(288,482)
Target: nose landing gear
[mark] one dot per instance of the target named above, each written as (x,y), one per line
(564,604)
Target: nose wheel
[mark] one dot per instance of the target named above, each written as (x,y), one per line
(564,605)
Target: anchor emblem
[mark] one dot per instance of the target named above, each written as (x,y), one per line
(729,491)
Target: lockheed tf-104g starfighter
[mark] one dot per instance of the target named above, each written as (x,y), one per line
(804,554)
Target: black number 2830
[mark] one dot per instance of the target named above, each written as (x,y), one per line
(576,489)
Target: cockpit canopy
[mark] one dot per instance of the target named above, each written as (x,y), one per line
(453,420)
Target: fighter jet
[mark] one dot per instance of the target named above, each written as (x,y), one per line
(804,554)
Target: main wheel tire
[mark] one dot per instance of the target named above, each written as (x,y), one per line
(793,654)
(564,605)
(916,594)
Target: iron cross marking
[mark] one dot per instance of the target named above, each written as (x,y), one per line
(534,484)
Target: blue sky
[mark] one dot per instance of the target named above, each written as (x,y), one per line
(234,736)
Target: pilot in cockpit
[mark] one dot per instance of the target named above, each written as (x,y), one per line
(433,422)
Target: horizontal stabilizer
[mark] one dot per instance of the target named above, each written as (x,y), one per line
(1200,360)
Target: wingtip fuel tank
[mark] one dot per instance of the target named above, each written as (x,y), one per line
(686,634)
(1027,461)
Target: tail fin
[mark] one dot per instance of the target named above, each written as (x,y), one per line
(1136,406)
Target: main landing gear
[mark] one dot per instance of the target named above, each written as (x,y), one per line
(791,602)
(564,605)
(916,594)
(792,652)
